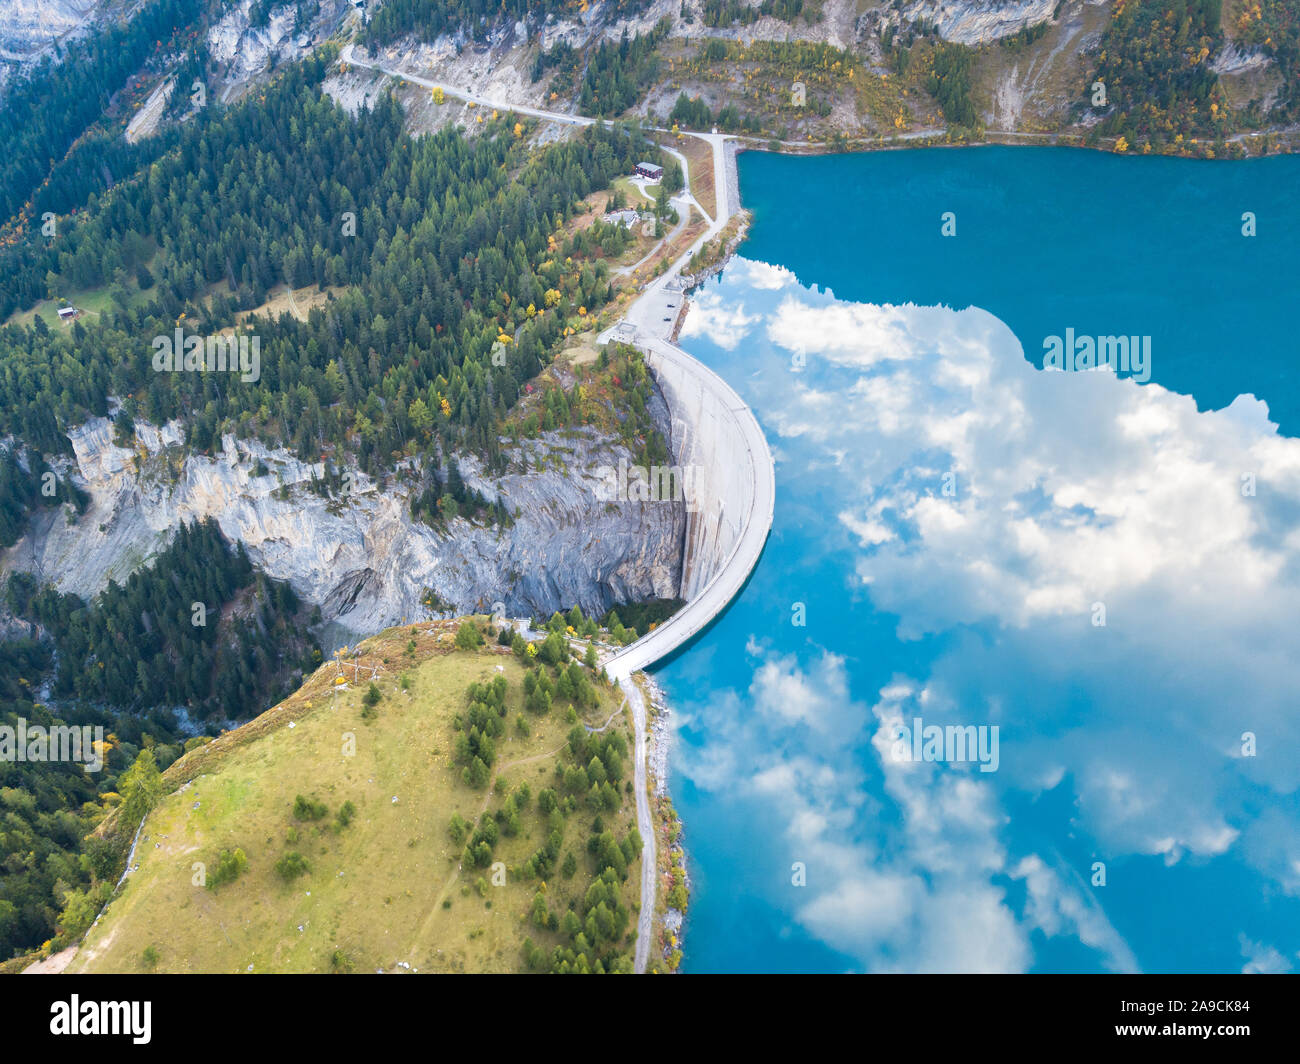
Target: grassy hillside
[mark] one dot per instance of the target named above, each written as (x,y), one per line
(387,885)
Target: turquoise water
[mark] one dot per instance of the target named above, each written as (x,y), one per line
(1050,238)
(952,524)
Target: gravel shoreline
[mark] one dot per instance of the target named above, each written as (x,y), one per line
(659,747)
(659,738)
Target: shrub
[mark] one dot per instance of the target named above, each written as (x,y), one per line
(230,863)
(291,866)
(309,809)
(468,637)
(457,829)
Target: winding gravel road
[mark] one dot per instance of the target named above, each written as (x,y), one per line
(645,825)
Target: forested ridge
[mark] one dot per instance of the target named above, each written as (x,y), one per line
(1155,63)
(618,75)
(46,112)
(442,247)
(589,775)
(53,878)
(23,490)
(1274,27)
(437,253)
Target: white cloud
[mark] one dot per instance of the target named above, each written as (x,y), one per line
(1071,490)
(915,898)
(763,276)
(1060,903)
(819,700)
(710,316)
(856,334)
(1262,959)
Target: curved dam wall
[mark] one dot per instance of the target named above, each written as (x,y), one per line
(720,448)
(710,448)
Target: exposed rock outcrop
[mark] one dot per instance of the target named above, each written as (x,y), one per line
(1235,60)
(242,50)
(359,555)
(28,27)
(979,21)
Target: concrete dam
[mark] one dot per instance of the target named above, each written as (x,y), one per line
(717,438)
(710,439)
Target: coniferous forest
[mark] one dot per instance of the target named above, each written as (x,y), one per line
(58,107)
(438,247)
(54,870)
(199,629)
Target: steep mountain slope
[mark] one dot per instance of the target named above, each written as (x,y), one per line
(857,72)
(29,28)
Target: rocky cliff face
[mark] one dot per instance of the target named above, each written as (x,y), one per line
(242,50)
(30,29)
(979,21)
(359,556)
(27,27)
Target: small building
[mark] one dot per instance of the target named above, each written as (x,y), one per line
(67,313)
(625,216)
(650,171)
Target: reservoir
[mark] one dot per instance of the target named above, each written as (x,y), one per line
(1099,571)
